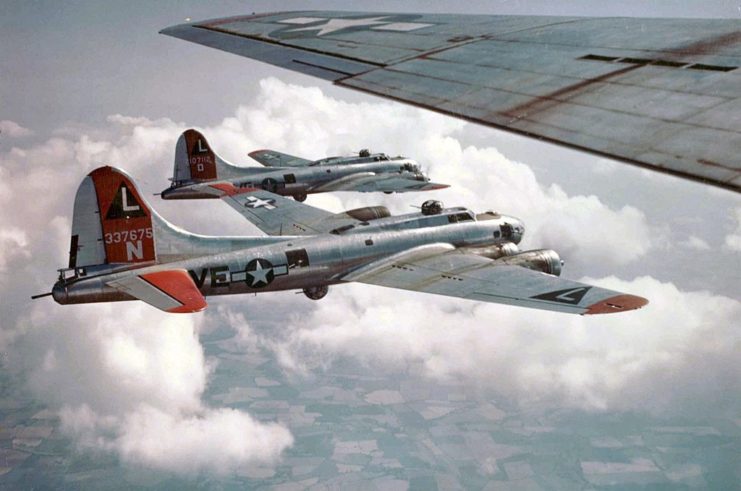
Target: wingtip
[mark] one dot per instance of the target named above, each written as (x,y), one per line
(171,30)
(618,303)
(434,185)
(188,309)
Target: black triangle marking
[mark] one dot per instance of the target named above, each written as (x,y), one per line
(125,205)
(571,295)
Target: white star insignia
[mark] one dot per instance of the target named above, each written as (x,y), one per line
(259,274)
(253,202)
(332,25)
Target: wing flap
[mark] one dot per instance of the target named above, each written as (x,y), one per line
(453,273)
(172,290)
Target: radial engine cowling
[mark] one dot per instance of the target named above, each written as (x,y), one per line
(495,251)
(369,213)
(544,260)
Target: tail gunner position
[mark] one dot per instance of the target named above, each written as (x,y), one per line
(198,170)
(121,249)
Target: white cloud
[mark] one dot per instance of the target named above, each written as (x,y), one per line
(678,354)
(576,226)
(129,379)
(13,244)
(221,440)
(13,129)
(733,240)
(121,374)
(214,440)
(695,243)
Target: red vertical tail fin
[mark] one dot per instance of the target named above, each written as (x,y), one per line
(112,223)
(194,159)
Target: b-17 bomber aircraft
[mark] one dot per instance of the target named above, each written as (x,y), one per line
(121,249)
(200,173)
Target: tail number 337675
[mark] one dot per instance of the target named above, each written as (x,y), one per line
(128,235)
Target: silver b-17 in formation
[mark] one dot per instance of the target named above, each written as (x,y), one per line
(121,249)
(200,173)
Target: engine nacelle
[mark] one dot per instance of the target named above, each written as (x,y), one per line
(544,260)
(495,251)
(369,213)
(295,189)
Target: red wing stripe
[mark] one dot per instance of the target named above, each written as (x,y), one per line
(180,287)
(230,189)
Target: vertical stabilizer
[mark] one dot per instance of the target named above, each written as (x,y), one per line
(112,223)
(195,161)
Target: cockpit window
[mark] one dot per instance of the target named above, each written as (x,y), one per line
(459,217)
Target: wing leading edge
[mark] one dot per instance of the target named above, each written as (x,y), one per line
(662,94)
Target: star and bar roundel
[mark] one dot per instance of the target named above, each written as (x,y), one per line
(260,272)
(320,26)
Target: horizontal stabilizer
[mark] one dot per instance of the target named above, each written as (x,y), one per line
(172,291)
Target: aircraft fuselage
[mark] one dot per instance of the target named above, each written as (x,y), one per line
(299,181)
(297,262)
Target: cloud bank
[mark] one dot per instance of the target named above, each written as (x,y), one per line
(676,356)
(13,129)
(733,240)
(130,380)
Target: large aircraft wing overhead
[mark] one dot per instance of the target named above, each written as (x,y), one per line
(435,269)
(271,158)
(663,94)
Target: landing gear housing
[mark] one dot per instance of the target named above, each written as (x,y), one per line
(316,292)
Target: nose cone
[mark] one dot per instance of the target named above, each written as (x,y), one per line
(59,293)
(512,229)
(519,230)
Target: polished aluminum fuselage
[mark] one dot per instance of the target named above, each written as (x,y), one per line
(307,179)
(227,266)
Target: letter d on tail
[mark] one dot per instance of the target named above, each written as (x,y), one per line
(201,160)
